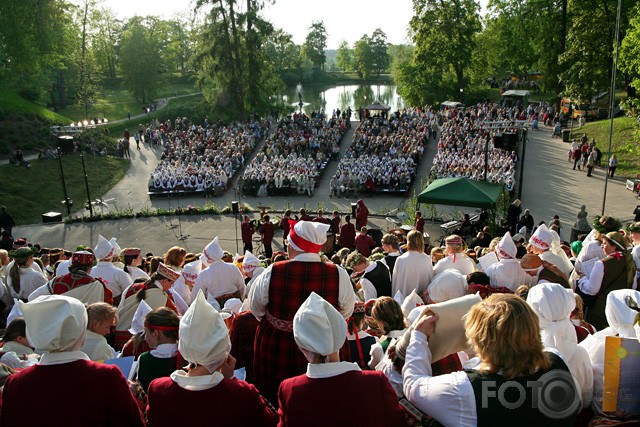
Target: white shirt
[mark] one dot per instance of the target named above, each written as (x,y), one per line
(370,291)
(591,285)
(412,270)
(96,347)
(448,398)
(331,369)
(63,267)
(509,273)
(463,264)
(62,357)
(137,273)
(116,280)
(220,278)
(30,280)
(259,292)
(377,353)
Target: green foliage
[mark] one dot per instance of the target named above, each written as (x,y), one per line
(379,51)
(590,43)
(344,57)
(19,184)
(140,61)
(234,72)
(630,50)
(363,59)
(315,44)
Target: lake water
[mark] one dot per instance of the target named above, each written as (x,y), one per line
(316,98)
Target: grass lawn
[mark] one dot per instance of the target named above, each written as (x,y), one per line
(29,192)
(12,102)
(116,102)
(625,145)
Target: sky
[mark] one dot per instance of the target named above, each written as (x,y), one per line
(343,19)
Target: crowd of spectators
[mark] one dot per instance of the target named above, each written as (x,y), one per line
(200,157)
(295,156)
(523,288)
(465,137)
(385,152)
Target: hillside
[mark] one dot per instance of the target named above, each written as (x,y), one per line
(23,124)
(625,142)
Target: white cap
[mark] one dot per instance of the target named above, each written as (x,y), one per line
(411,302)
(506,248)
(308,236)
(104,249)
(250,262)
(15,311)
(233,304)
(191,270)
(137,323)
(116,246)
(204,337)
(542,238)
(55,323)
(204,261)
(447,285)
(553,304)
(523,231)
(213,251)
(318,327)
(619,316)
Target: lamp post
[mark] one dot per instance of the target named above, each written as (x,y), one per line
(86,183)
(66,200)
(612,100)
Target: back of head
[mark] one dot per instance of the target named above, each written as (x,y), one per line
(415,241)
(505,334)
(388,313)
(165,320)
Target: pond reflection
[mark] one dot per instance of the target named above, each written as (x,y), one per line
(315,98)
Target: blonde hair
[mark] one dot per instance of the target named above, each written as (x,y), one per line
(388,315)
(356,258)
(437,254)
(415,241)
(100,312)
(505,333)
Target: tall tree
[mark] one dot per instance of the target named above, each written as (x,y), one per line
(315,44)
(233,69)
(344,56)
(363,57)
(35,37)
(87,85)
(630,50)
(141,62)
(106,42)
(444,34)
(379,51)
(590,43)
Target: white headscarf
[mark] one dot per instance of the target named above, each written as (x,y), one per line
(55,323)
(506,248)
(557,249)
(213,251)
(137,323)
(553,304)
(104,249)
(318,328)
(204,337)
(447,285)
(619,316)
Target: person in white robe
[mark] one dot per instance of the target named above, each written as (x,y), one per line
(220,280)
(508,271)
(113,277)
(540,244)
(553,304)
(621,320)
(455,258)
(413,270)
(101,317)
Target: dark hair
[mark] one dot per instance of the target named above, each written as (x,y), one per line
(17,328)
(266,218)
(163,316)
(479,278)
(354,322)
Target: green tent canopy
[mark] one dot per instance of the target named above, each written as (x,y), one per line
(461,192)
